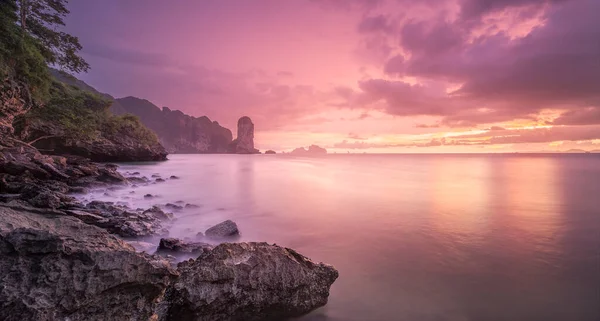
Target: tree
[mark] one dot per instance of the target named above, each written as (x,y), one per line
(41,19)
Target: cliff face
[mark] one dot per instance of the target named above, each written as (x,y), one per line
(14,101)
(244,143)
(178,132)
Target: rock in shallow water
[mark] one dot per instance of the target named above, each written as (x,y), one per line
(247,281)
(222,230)
(59,268)
(177,245)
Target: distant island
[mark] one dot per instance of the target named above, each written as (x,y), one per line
(312,150)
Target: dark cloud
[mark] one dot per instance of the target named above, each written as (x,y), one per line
(583,116)
(378,23)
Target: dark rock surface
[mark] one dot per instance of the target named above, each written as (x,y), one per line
(58,268)
(270,152)
(226,229)
(170,245)
(247,281)
(178,132)
(244,143)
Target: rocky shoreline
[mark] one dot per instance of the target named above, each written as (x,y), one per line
(61,258)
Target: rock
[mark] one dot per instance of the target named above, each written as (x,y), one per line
(199,236)
(128,223)
(141,246)
(223,230)
(155,175)
(179,202)
(159,180)
(45,199)
(174,177)
(158,213)
(270,152)
(188,206)
(247,281)
(177,245)
(148,196)
(174,206)
(135,173)
(59,268)
(138,180)
(244,143)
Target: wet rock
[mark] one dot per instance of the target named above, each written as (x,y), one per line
(174,207)
(158,213)
(177,245)
(270,152)
(138,180)
(159,180)
(247,281)
(129,223)
(78,190)
(179,202)
(155,175)
(222,230)
(188,206)
(199,236)
(135,173)
(141,246)
(148,196)
(59,268)
(174,177)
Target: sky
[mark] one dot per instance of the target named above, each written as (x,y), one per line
(374,76)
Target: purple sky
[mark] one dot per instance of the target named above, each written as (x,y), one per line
(360,75)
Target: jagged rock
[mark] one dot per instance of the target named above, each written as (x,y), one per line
(247,281)
(159,180)
(141,246)
(174,206)
(59,268)
(244,143)
(15,100)
(223,230)
(188,206)
(270,152)
(128,223)
(155,175)
(148,196)
(177,245)
(45,199)
(158,213)
(174,177)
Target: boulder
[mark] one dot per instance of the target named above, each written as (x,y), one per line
(222,230)
(58,268)
(247,281)
(270,152)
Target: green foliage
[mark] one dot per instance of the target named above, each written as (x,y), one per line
(40,19)
(85,116)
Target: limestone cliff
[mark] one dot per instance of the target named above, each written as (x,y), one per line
(244,143)
(178,132)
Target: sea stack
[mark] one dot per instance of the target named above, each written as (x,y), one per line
(244,143)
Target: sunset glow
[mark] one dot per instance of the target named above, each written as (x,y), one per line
(360,76)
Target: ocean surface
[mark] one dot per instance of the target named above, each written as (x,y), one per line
(414,237)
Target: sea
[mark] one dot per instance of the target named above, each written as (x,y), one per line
(458,237)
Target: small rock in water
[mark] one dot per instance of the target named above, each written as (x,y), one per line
(179,202)
(132,192)
(223,230)
(158,213)
(155,175)
(199,235)
(148,196)
(159,180)
(191,205)
(135,173)
(174,177)
(174,206)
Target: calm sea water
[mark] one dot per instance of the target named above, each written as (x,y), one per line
(414,237)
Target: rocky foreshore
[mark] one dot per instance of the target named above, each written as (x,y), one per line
(61,259)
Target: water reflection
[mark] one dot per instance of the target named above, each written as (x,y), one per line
(415,237)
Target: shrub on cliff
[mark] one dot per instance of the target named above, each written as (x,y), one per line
(83,115)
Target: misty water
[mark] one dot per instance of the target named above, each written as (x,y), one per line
(414,237)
